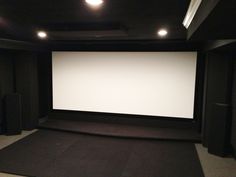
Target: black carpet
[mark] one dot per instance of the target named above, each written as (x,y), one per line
(49,153)
(122,130)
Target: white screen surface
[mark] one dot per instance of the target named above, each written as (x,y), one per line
(142,83)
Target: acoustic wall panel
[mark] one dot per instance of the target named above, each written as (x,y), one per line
(142,83)
(26,72)
(6,83)
(13,114)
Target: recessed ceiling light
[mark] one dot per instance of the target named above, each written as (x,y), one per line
(94,3)
(42,34)
(162,32)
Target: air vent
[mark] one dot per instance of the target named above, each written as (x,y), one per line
(77,31)
(75,35)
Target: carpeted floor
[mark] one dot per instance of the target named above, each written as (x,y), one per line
(59,154)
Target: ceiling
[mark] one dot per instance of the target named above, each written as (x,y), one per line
(66,20)
(214,20)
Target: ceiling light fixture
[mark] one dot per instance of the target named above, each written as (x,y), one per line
(162,32)
(94,3)
(42,34)
(192,10)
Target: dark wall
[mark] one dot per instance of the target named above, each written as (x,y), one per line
(233,132)
(19,74)
(26,76)
(218,86)
(205,9)
(6,81)
(45,88)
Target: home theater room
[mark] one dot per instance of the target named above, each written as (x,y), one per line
(117,88)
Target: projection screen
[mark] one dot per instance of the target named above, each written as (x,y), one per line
(141,83)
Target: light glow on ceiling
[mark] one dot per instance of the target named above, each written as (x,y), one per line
(42,34)
(162,32)
(94,3)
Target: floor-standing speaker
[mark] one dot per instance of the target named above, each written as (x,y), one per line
(219,138)
(13,114)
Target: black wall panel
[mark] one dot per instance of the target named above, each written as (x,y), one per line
(26,74)
(45,88)
(218,86)
(233,132)
(219,142)
(13,114)
(6,81)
